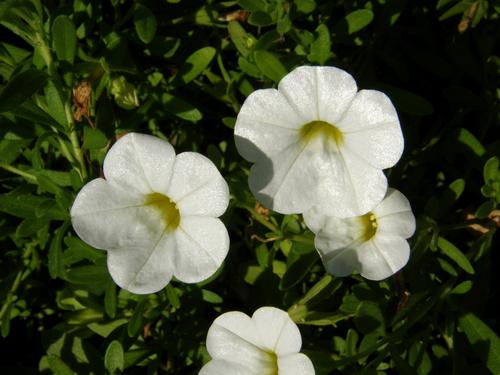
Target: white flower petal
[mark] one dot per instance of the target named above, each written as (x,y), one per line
(276,331)
(220,366)
(108,217)
(233,336)
(371,129)
(266,124)
(202,245)
(295,364)
(140,162)
(394,215)
(383,256)
(197,187)
(318,93)
(364,187)
(143,268)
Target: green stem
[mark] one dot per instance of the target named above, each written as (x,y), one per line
(19,172)
(75,143)
(65,151)
(46,54)
(262,219)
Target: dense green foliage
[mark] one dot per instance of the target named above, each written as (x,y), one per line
(180,69)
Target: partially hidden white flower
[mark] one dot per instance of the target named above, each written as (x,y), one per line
(268,343)
(317,141)
(155,213)
(373,244)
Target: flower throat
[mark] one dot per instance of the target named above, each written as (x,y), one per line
(322,129)
(167,208)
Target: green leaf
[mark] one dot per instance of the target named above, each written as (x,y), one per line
(145,23)
(110,299)
(455,254)
(483,340)
(269,64)
(29,111)
(180,108)
(172,296)
(58,366)
(10,149)
(64,38)
(136,321)
(253,5)
(94,139)
(92,274)
(55,103)
(321,46)
(296,272)
(25,205)
(211,297)
(369,318)
(470,141)
(114,357)
(463,287)
(240,38)
(491,172)
(358,20)
(21,88)
(259,18)
(305,6)
(56,268)
(5,323)
(195,64)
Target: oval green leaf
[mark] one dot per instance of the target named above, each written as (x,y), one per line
(21,88)
(64,38)
(358,20)
(114,357)
(145,23)
(269,64)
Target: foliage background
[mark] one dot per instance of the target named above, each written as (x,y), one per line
(188,66)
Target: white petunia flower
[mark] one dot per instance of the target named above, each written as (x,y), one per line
(155,213)
(268,343)
(317,141)
(374,244)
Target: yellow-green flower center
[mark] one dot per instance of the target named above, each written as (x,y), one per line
(370,225)
(271,362)
(322,129)
(167,208)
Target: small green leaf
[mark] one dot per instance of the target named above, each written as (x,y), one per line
(172,296)
(269,64)
(145,23)
(21,88)
(114,357)
(195,64)
(305,6)
(58,366)
(483,340)
(491,172)
(180,108)
(64,38)
(136,321)
(296,272)
(253,5)
(358,20)
(94,139)
(259,18)
(5,323)
(55,104)
(455,254)
(25,206)
(321,46)
(463,287)
(470,141)
(240,38)
(369,318)
(92,274)
(110,299)
(211,297)
(56,268)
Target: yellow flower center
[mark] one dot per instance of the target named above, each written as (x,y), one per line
(167,208)
(271,362)
(322,129)
(369,222)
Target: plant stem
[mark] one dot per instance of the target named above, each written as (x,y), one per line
(75,143)
(19,172)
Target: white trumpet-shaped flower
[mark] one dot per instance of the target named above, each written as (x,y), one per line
(268,343)
(155,213)
(317,141)
(373,244)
